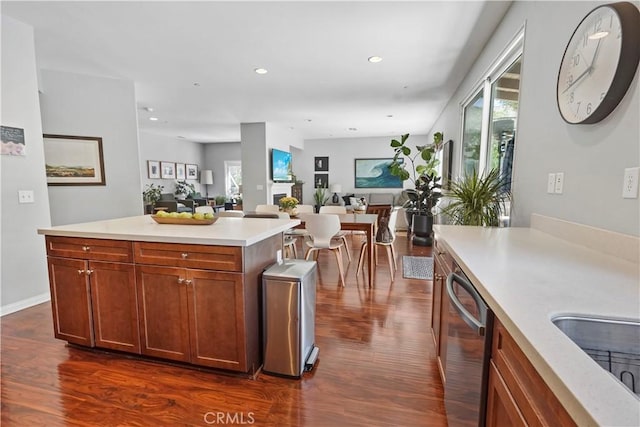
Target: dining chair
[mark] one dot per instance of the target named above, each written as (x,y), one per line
(338,210)
(289,246)
(322,229)
(304,209)
(391,253)
(237,214)
(268,208)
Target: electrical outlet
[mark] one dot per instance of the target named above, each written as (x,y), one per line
(25,196)
(551,183)
(630,183)
(559,182)
(279,256)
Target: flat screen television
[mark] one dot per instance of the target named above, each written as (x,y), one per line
(280,166)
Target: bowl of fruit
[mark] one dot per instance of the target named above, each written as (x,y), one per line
(185,218)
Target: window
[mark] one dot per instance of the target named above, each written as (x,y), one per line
(233,178)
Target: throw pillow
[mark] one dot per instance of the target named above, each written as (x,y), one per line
(346,199)
(384,234)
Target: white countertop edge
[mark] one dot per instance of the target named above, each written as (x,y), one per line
(170,233)
(546,346)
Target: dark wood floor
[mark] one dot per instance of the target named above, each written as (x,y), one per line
(376,368)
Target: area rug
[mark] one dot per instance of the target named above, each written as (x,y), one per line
(417,267)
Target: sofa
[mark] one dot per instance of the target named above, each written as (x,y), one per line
(393,199)
(168,201)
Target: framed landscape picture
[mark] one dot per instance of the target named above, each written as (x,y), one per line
(180,171)
(192,172)
(73,160)
(153,169)
(168,170)
(374,173)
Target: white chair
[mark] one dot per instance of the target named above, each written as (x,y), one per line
(289,246)
(322,229)
(391,253)
(304,209)
(204,209)
(268,208)
(338,210)
(236,214)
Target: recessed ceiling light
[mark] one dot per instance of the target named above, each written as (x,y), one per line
(261,71)
(309,120)
(180,137)
(196,84)
(353,129)
(389,115)
(149,109)
(374,59)
(153,119)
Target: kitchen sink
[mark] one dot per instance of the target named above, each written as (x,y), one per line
(613,343)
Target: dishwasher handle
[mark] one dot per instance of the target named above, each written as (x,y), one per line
(478,325)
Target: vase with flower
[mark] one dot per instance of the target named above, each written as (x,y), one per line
(289,205)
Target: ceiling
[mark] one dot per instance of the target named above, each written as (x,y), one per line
(193,62)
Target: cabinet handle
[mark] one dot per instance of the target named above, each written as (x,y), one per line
(89,272)
(188,282)
(185,255)
(181,281)
(86,248)
(80,272)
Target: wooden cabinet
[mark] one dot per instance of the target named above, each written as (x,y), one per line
(443,264)
(517,395)
(94,302)
(296,191)
(193,316)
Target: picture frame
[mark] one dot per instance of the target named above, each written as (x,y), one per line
(180,171)
(192,172)
(321,180)
(321,164)
(374,173)
(168,170)
(153,169)
(12,141)
(73,160)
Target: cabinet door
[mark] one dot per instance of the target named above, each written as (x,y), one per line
(70,300)
(436,302)
(115,309)
(217,322)
(162,306)
(502,409)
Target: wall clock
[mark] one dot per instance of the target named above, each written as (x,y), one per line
(599,63)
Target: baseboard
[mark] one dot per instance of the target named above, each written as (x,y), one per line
(25,303)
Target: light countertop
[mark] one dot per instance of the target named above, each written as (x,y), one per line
(225,231)
(528,277)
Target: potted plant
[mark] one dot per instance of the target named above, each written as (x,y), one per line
(220,200)
(320,198)
(184,189)
(419,167)
(289,205)
(151,194)
(477,200)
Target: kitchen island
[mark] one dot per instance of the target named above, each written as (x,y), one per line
(186,293)
(528,276)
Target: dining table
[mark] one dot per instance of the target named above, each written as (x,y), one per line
(359,222)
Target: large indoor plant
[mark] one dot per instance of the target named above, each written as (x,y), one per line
(477,199)
(320,198)
(151,194)
(419,167)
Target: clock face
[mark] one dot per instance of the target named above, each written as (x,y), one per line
(589,66)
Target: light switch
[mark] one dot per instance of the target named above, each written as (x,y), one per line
(559,182)
(630,185)
(259,187)
(551,183)
(25,196)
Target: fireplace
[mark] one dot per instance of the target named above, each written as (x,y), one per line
(277,197)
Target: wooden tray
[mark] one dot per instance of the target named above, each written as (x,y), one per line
(183,221)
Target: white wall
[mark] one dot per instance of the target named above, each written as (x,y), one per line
(592,157)
(162,148)
(24,265)
(76,104)
(214,157)
(341,153)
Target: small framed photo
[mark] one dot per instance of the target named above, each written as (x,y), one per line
(321,164)
(192,172)
(153,169)
(180,171)
(321,180)
(73,160)
(168,170)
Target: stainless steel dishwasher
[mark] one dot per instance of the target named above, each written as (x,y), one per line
(468,352)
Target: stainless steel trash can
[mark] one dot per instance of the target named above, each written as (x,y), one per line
(289,309)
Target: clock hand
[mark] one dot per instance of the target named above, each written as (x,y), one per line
(595,55)
(579,78)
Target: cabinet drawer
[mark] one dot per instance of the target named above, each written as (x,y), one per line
(92,249)
(536,402)
(222,258)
